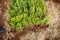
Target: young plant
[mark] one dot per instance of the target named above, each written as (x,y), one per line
(26,12)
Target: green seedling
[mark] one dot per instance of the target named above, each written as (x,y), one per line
(26,12)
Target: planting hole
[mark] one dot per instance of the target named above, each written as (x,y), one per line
(1,29)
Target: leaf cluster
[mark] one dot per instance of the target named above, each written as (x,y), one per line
(26,12)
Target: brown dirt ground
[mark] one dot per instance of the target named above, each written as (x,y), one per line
(33,32)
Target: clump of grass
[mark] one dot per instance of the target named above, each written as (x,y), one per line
(26,12)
